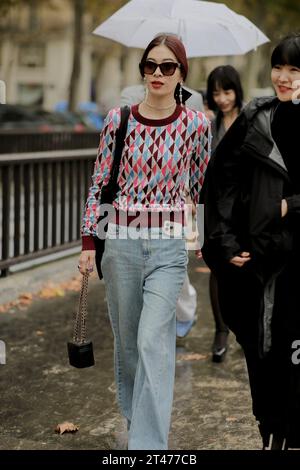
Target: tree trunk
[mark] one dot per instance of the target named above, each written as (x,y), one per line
(77,50)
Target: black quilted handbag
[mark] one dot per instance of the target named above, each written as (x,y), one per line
(80,350)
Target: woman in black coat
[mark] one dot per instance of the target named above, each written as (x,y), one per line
(252,243)
(225,98)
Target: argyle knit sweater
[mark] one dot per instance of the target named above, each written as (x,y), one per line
(158,157)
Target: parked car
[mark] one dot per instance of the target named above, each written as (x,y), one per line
(62,121)
(87,114)
(16,117)
(20,117)
(91,114)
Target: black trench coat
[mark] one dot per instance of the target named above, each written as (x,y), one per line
(244,184)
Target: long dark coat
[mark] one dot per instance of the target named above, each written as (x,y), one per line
(245,182)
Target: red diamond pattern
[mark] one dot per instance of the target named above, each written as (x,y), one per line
(155,164)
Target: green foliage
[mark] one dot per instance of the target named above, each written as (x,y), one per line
(274,17)
(5,5)
(102,9)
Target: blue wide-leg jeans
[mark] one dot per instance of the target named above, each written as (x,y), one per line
(143,275)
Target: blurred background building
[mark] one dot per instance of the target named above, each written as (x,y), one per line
(48,54)
(36,54)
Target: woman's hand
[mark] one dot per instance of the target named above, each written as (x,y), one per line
(284,208)
(198,254)
(240,260)
(86,261)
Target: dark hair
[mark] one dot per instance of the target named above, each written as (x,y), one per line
(226,77)
(287,52)
(175,45)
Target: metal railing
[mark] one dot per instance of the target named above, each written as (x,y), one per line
(21,141)
(42,197)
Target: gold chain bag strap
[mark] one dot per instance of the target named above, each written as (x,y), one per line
(80,350)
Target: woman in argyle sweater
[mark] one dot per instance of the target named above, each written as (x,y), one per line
(145,258)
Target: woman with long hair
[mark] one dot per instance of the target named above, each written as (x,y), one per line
(224,97)
(145,258)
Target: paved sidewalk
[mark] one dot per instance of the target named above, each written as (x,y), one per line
(212,406)
(34,279)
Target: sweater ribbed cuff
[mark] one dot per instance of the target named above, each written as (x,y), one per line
(88,243)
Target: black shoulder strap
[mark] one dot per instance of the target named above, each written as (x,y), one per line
(120,138)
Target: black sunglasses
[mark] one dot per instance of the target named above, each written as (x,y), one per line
(167,68)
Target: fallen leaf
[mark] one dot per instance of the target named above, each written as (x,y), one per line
(50,291)
(191,357)
(59,292)
(25,296)
(231,419)
(25,302)
(73,285)
(39,333)
(66,427)
(8,307)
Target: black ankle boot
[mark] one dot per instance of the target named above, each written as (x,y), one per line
(219,347)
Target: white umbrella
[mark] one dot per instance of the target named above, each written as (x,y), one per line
(206,28)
